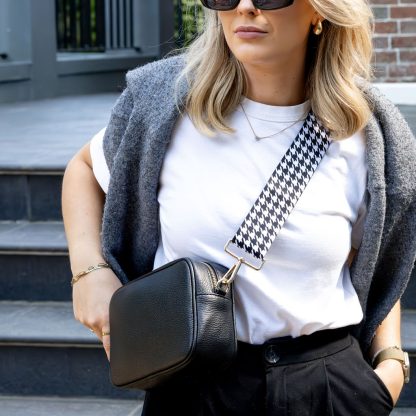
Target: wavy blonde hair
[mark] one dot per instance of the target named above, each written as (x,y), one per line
(337,60)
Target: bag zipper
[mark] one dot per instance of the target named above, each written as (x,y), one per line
(214,279)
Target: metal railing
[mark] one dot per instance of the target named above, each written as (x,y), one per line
(102,25)
(123,34)
(4,35)
(94,25)
(119,24)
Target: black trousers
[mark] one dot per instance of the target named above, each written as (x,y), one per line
(322,374)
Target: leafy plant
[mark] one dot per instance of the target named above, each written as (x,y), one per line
(188,20)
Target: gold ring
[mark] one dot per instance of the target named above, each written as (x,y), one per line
(105,333)
(91,329)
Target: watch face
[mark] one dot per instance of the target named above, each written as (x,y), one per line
(406,367)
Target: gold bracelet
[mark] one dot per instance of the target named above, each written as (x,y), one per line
(89,270)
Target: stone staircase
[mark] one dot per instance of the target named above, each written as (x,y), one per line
(50,363)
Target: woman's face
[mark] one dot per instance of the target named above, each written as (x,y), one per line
(268,37)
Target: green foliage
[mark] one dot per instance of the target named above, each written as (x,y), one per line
(188,20)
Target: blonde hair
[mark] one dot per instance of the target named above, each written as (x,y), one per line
(337,60)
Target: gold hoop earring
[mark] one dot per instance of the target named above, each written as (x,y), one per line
(318,28)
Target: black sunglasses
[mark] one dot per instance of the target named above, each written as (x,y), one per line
(224,5)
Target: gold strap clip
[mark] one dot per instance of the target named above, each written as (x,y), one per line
(252,265)
(229,277)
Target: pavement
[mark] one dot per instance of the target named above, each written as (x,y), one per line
(55,406)
(47,133)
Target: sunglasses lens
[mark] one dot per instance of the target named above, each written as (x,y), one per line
(272,4)
(220,4)
(259,4)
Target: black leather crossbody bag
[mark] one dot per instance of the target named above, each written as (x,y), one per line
(178,320)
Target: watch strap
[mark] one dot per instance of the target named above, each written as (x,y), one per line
(394,353)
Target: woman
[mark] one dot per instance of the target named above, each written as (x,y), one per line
(190,144)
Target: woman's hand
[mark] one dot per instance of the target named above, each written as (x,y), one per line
(391,373)
(91,302)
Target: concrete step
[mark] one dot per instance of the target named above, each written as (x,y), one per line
(34,262)
(35,254)
(30,195)
(404,411)
(80,406)
(37,140)
(409,299)
(71,406)
(408,329)
(43,135)
(33,237)
(408,333)
(44,351)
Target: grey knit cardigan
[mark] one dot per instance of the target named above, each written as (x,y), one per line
(135,142)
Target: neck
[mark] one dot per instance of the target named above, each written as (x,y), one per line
(282,85)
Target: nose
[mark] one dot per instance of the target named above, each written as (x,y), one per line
(247,7)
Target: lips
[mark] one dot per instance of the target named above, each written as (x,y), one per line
(249,33)
(249,29)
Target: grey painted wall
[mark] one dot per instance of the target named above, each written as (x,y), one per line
(33,69)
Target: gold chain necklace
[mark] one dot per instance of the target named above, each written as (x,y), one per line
(257,137)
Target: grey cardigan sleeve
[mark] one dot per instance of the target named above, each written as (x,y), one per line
(112,144)
(384,263)
(119,119)
(134,144)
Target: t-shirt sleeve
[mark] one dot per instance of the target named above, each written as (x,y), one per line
(99,164)
(357,231)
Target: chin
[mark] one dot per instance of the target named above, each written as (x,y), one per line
(258,49)
(257,58)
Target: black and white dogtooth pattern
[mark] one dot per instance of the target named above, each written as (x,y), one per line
(287,183)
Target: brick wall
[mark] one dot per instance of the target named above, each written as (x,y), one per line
(395,40)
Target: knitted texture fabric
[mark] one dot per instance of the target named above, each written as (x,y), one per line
(135,142)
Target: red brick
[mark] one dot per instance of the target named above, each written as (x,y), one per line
(383,1)
(380,42)
(411,71)
(397,71)
(381,12)
(403,42)
(405,72)
(386,27)
(403,12)
(385,57)
(380,71)
(408,56)
(408,27)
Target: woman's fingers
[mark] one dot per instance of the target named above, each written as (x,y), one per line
(91,301)
(105,339)
(106,344)
(104,336)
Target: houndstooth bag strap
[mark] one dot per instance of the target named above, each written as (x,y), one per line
(281,193)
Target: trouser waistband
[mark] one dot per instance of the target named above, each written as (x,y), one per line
(288,350)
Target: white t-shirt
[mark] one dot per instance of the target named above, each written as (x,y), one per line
(208,185)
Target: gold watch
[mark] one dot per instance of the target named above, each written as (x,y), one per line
(394,353)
